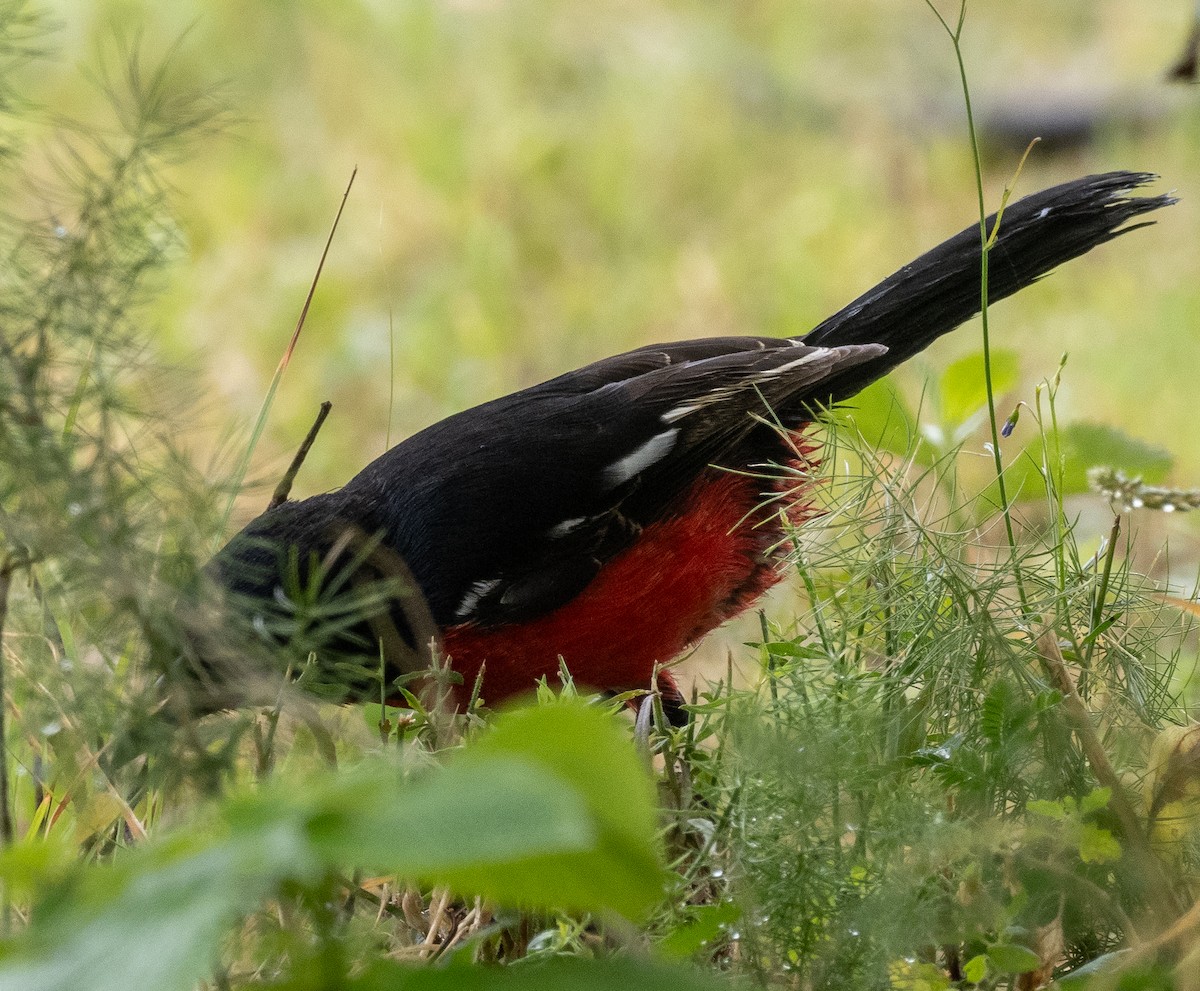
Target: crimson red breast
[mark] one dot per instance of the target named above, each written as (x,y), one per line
(614,515)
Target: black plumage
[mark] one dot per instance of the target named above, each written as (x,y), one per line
(507,511)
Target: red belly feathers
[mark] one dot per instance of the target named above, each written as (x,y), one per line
(684,576)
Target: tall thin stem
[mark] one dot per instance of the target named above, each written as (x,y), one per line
(7,566)
(986,239)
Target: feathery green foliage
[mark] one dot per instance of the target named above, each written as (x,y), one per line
(937,780)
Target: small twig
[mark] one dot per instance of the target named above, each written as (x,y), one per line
(312,289)
(1007,195)
(1102,591)
(266,745)
(284,488)
(1132,493)
(387,440)
(1182,926)
(1189,921)
(1085,888)
(260,423)
(438,903)
(1155,882)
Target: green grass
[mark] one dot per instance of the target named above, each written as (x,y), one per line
(918,781)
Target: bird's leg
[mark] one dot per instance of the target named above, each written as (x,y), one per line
(672,699)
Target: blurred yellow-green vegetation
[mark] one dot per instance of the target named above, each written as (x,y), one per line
(543,183)
(540,184)
(927,776)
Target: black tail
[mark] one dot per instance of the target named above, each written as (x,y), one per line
(931,296)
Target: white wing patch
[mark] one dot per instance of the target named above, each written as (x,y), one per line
(567,527)
(476,592)
(812,355)
(656,448)
(679,412)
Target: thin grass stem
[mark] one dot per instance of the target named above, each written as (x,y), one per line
(985,243)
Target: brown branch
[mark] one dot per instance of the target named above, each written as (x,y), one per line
(284,488)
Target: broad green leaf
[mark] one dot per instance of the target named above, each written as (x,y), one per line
(36,864)
(1095,800)
(999,706)
(1085,445)
(1047,809)
(791,648)
(1009,958)
(976,969)
(704,927)
(905,975)
(551,809)
(1022,476)
(586,747)
(881,416)
(1119,971)
(154,921)
(373,714)
(1097,845)
(470,816)
(963,386)
(1101,971)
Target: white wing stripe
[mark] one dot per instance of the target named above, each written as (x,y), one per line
(812,355)
(567,527)
(728,392)
(679,412)
(476,592)
(657,447)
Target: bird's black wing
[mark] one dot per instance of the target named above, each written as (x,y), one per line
(508,510)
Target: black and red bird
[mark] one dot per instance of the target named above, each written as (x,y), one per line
(616,514)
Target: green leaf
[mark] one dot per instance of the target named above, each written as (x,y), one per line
(1009,958)
(1117,970)
(704,926)
(155,921)
(791,648)
(553,808)
(36,863)
(470,817)
(1085,445)
(1080,977)
(963,386)
(1023,479)
(587,748)
(881,416)
(907,976)
(1047,809)
(1097,845)
(373,714)
(1002,713)
(975,970)
(1095,800)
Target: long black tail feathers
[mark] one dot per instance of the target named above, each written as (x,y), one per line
(940,290)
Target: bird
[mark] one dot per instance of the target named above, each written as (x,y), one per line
(609,518)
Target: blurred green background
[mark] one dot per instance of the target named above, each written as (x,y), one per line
(543,183)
